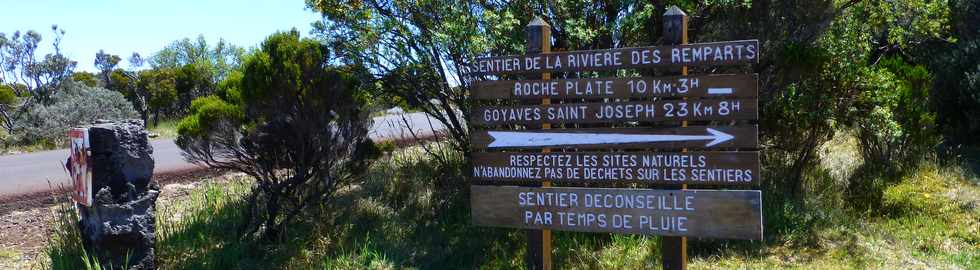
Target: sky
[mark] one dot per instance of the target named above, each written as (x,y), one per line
(122,27)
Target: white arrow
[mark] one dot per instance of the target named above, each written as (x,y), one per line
(532,139)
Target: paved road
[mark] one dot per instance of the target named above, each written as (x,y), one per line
(32,172)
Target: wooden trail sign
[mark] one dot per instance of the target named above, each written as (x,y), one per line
(633,102)
(728,85)
(619,112)
(734,214)
(621,138)
(715,53)
(711,168)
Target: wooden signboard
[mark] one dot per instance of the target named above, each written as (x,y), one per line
(620,138)
(715,53)
(727,85)
(591,113)
(619,112)
(712,168)
(734,214)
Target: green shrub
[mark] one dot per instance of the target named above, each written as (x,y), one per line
(296,124)
(73,105)
(7,96)
(895,126)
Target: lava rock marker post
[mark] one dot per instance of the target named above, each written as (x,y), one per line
(114,161)
(637,133)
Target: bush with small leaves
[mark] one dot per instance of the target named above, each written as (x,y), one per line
(73,105)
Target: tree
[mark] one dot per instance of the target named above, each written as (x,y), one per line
(136,61)
(106,63)
(33,80)
(159,86)
(199,66)
(218,59)
(297,128)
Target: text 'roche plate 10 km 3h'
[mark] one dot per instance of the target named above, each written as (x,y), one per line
(716,53)
(703,86)
(674,168)
(734,214)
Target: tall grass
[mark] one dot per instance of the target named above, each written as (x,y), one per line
(202,230)
(412,211)
(65,249)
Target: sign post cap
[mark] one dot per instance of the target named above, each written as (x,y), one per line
(538,22)
(674,11)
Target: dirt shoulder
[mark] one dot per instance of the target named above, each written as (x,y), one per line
(25,219)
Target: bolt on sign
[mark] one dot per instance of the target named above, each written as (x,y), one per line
(79,168)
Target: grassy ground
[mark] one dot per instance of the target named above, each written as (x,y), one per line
(411,211)
(167,128)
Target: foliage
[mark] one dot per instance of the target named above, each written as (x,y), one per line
(33,80)
(807,76)
(106,63)
(19,65)
(896,127)
(159,86)
(87,78)
(218,59)
(73,105)
(297,128)
(8,101)
(955,95)
(7,96)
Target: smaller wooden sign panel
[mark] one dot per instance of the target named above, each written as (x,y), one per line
(733,214)
(619,112)
(698,137)
(710,168)
(715,53)
(725,85)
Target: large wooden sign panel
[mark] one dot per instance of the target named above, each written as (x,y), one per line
(618,112)
(727,85)
(620,138)
(716,53)
(735,214)
(674,168)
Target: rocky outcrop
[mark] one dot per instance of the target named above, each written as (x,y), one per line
(119,225)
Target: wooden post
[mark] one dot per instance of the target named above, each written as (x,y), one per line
(673,250)
(539,241)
